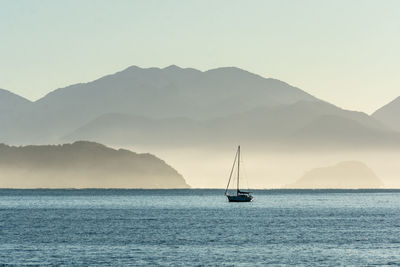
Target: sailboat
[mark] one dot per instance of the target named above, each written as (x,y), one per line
(240,196)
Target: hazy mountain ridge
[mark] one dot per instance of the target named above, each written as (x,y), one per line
(152,92)
(302,124)
(13,110)
(122,129)
(333,132)
(11,101)
(11,106)
(185,92)
(184,106)
(390,114)
(83,165)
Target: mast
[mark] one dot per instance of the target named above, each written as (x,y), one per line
(238,169)
(230,176)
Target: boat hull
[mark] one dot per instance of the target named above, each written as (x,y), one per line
(240,198)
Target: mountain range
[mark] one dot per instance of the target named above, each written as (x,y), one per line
(184,106)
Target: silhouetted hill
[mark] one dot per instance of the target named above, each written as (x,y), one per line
(83,165)
(344,175)
(390,114)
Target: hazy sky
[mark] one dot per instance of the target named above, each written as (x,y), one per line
(346,52)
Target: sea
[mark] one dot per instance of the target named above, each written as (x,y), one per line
(198,227)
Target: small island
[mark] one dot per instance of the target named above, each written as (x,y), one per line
(344,175)
(83,164)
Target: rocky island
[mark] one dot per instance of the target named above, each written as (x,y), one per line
(344,175)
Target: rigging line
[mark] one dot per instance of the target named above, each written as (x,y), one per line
(238,170)
(230,176)
(245,176)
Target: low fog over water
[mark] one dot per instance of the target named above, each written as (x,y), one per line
(208,168)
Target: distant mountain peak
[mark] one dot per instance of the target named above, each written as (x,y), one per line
(132,68)
(172,67)
(87,144)
(230,69)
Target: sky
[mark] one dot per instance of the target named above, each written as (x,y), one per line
(344,51)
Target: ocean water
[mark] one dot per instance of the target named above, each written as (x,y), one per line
(199,227)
